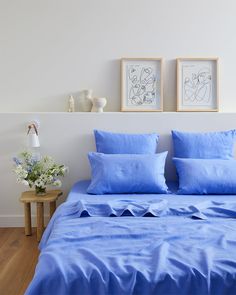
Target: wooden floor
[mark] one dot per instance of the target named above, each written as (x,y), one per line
(18,258)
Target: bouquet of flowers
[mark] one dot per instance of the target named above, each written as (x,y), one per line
(38,173)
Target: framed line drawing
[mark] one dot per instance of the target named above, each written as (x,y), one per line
(141,84)
(197,85)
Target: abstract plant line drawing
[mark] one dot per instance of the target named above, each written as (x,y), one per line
(197,86)
(142,85)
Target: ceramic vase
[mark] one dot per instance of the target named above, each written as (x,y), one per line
(87,102)
(98,104)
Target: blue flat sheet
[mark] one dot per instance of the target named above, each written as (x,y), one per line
(138,244)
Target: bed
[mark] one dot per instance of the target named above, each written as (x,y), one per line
(143,244)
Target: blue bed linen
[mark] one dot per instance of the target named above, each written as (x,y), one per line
(206,176)
(127,173)
(125,143)
(78,192)
(188,249)
(204,145)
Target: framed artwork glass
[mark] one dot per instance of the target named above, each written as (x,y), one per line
(197,85)
(141,84)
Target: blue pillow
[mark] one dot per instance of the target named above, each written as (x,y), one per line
(206,176)
(117,174)
(210,145)
(122,143)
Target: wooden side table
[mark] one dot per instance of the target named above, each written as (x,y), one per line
(29,197)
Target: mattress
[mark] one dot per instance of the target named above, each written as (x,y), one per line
(138,244)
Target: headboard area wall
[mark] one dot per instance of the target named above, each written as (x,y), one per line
(68,137)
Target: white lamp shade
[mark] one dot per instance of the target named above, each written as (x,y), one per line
(33,140)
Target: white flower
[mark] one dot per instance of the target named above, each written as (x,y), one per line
(40,172)
(39,182)
(21,172)
(25,182)
(43,178)
(57,183)
(50,178)
(65,170)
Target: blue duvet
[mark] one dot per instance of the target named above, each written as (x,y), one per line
(139,244)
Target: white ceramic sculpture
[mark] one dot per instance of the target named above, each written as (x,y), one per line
(98,104)
(71,104)
(88,100)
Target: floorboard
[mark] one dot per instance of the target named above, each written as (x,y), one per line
(18,258)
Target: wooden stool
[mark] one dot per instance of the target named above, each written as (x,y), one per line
(29,197)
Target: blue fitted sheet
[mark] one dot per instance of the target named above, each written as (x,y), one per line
(186,245)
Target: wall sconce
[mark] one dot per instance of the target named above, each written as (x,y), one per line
(33,135)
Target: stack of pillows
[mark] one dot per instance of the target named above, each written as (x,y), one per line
(128,163)
(204,162)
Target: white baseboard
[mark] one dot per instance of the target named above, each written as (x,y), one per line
(18,220)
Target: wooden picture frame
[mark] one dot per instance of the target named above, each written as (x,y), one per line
(197,84)
(141,84)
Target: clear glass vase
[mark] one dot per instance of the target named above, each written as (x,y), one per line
(40,191)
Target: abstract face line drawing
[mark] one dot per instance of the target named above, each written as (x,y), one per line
(198,87)
(142,85)
(198,84)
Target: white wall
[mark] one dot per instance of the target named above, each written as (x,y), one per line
(49,49)
(69,136)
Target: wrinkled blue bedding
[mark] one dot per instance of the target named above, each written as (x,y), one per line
(138,244)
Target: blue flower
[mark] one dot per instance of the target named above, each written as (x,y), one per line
(17,161)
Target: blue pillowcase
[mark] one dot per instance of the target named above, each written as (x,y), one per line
(119,143)
(117,174)
(210,145)
(206,176)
